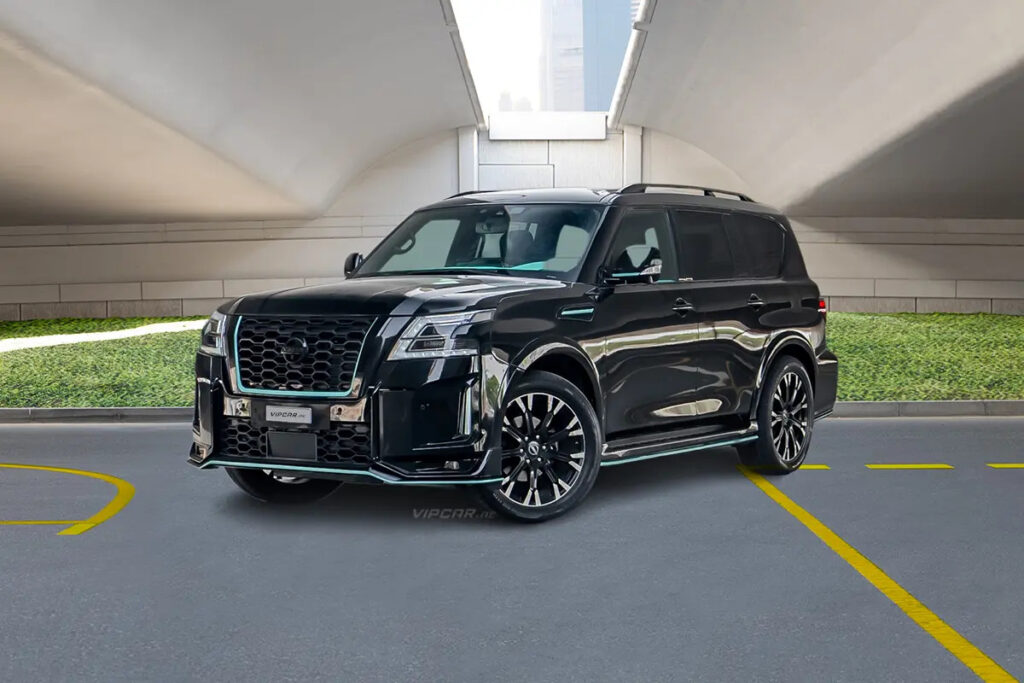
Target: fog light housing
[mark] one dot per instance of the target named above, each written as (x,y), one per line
(237,407)
(348,412)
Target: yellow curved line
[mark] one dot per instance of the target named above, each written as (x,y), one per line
(125,491)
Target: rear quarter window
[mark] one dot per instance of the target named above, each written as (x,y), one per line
(757,243)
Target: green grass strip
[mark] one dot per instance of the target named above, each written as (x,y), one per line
(904,357)
(154,370)
(928,357)
(42,328)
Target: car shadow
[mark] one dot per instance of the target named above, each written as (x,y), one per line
(452,507)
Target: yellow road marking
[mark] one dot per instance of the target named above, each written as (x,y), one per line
(910,466)
(1007,465)
(815,467)
(125,491)
(59,522)
(961,648)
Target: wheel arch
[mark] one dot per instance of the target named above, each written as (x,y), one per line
(568,362)
(794,345)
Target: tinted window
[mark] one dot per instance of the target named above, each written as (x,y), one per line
(642,238)
(428,248)
(704,251)
(757,243)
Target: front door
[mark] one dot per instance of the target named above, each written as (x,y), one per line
(643,362)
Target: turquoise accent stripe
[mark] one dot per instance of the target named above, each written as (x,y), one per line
(688,449)
(577,311)
(533,265)
(335,470)
(298,394)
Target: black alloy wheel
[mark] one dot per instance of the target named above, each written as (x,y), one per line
(549,450)
(785,419)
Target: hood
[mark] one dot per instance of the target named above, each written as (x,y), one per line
(397,295)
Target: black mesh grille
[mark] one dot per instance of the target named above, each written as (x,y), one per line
(239,438)
(345,444)
(300,354)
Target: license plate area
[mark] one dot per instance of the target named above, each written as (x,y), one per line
(296,415)
(291,445)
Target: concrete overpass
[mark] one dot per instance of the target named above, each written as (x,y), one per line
(888,128)
(161,156)
(156,111)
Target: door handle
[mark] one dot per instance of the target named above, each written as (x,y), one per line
(682,306)
(755,301)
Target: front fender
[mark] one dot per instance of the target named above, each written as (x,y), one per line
(529,357)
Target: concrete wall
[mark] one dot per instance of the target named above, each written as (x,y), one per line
(514,164)
(166,269)
(862,264)
(919,265)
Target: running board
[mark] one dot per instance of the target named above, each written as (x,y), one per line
(660,450)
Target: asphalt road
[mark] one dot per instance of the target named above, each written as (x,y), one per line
(674,569)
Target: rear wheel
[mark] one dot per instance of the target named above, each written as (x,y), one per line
(269,487)
(550,453)
(785,418)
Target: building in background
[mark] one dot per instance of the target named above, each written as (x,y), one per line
(561,61)
(582,46)
(606,28)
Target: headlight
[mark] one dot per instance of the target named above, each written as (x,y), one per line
(213,339)
(439,336)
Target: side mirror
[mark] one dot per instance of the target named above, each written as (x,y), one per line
(352,261)
(650,274)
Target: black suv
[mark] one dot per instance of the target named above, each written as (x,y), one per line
(516,342)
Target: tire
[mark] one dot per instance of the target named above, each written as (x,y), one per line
(269,488)
(785,417)
(550,462)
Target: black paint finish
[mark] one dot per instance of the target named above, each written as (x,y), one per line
(667,362)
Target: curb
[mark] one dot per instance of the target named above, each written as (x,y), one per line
(20,415)
(843,409)
(928,408)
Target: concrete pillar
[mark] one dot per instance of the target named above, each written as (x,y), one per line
(632,154)
(468,161)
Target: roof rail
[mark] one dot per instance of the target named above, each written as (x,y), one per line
(640,188)
(465,192)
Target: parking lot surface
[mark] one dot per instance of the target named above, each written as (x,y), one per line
(674,569)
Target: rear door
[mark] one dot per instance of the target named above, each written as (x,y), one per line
(734,263)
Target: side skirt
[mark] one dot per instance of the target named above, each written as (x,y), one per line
(621,456)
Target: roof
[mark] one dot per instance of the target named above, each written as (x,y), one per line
(576,195)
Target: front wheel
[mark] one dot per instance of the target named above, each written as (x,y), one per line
(550,450)
(268,487)
(785,419)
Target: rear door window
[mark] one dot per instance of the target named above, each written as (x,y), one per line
(758,243)
(704,249)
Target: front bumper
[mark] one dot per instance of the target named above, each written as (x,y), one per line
(419,422)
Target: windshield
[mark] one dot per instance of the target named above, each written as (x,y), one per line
(532,240)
